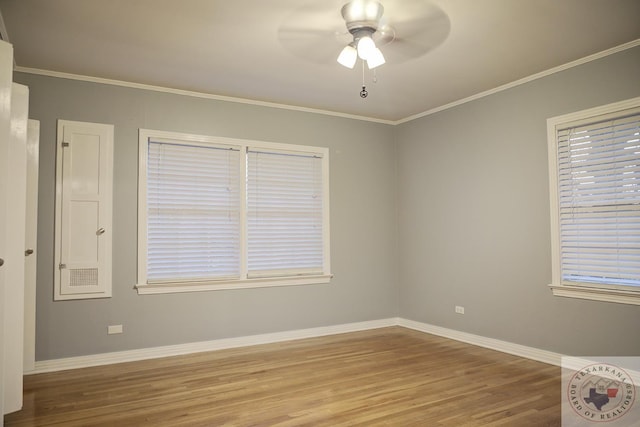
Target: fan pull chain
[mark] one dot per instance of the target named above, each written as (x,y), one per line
(363,92)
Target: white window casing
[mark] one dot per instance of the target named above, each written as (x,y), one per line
(594,165)
(84,200)
(221,213)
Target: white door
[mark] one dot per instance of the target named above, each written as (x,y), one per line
(6,75)
(31,246)
(14,238)
(84,181)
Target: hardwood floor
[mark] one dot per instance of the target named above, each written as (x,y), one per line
(383,377)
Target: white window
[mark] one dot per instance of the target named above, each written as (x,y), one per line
(219,213)
(594,164)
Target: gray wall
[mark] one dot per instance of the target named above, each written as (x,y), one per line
(474,220)
(363,219)
(450,209)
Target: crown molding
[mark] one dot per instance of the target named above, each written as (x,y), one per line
(195,94)
(450,105)
(524,80)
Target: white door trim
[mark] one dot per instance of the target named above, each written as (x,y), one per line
(31,245)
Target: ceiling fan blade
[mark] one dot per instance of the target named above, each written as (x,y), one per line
(315,31)
(408,10)
(417,33)
(403,49)
(317,46)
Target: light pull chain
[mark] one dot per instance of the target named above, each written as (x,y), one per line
(363,92)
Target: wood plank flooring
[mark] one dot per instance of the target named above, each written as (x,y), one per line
(382,377)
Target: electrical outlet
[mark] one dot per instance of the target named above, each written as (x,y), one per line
(114,329)
(459,309)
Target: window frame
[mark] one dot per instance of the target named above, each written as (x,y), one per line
(243,282)
(588,291)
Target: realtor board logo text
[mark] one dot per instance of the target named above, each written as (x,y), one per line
(601,392)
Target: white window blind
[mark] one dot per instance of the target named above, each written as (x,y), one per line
(284,214)
(221,213)
(193,212)
(599,201)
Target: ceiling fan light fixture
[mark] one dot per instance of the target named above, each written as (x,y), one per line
(348,56)
(362,18)
(366,47)
(375,59)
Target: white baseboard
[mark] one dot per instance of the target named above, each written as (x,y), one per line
(197,347)
(568,362)
(493,344)
(227,343)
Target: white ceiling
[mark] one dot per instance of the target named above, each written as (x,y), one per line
(283,51)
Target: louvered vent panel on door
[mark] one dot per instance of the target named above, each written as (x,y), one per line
(83,277)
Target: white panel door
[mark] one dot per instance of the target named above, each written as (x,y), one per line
(83,210)
(31,245)
(14,267)
(6,75)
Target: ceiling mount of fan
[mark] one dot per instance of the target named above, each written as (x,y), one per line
(359,14)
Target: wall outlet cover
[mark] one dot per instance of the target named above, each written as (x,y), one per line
(114,329)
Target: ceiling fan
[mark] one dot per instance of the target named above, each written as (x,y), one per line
(320,32)
(362,19)
(377,31)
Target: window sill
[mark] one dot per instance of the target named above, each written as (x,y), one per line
(178,287)
(597,294)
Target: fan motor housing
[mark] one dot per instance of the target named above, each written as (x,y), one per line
(362,15)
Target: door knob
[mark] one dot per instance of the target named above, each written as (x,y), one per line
(28,252)
(100,231)
(1,262)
